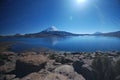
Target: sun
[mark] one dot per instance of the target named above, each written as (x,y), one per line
(81,1)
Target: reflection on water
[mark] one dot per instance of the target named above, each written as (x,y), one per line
(81,43)
(54,41)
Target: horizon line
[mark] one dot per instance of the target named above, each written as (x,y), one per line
(11,34)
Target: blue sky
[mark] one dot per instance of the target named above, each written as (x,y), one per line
(87,16)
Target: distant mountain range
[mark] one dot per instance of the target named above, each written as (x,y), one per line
(54,32)
(114,34)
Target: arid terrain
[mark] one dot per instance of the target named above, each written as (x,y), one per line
(60,66)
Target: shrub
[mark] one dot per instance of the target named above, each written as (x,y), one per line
(52,56)
(103,68)
(117,68)
(1,60)
(60,60)
(3,57)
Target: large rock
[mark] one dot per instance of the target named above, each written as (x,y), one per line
(33,76)
(10,77)
(8,56)
(50,65)
(69,72)
(7,62)
(54,76)
(7,53)
(65,70)
(87,61)
(16,79)
(118,77)
(28,53)
(7,67)
(85,70)
(30,63)
(62,59)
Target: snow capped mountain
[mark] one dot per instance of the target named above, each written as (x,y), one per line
(51,32)
(53,28)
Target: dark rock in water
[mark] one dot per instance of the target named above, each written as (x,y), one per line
(86,71)
(30,63)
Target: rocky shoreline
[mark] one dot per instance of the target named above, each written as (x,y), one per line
(60,66)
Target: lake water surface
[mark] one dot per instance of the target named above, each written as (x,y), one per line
(81,43)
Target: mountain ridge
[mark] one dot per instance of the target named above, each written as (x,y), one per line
(117,34)
(54,32)
(112,34)
(51,32)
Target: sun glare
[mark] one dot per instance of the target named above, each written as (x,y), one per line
(81,1)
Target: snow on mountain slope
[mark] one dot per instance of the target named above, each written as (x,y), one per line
(53,28)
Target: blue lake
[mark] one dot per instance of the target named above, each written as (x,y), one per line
(80,43)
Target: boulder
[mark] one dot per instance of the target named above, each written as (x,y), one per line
(117,78)
(7,53)
(63,60)
(33,76)
(85,70)
(78,77)
(8,56)
(2,76)
(69,72)
(10,77)
(54,76)
(70,59)
(65,70)
(50,65)
(87,61)
(28,53)
(16,79)
(7,67)
(30,63)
